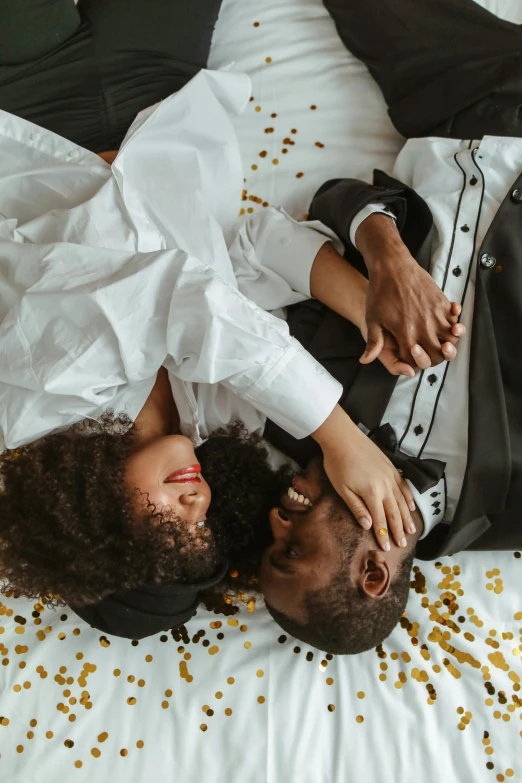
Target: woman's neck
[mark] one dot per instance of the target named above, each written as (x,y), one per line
(159,416)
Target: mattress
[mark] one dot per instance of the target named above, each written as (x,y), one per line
(232,698)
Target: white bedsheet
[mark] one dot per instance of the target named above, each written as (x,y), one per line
(75,706)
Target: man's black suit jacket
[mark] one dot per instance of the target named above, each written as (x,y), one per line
(489,513)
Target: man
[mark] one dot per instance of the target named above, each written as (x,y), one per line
(452,74)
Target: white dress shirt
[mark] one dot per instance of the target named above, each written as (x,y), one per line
(464,184)
(108,273)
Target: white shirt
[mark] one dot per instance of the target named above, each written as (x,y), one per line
(464,184)
(106,274)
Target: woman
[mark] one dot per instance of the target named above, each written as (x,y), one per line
(119,294)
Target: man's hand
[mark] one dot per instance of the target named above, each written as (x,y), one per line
(404,301)
(365,479)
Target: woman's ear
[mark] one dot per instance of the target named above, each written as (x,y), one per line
(375,576)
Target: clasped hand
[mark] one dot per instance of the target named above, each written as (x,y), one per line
(409,321)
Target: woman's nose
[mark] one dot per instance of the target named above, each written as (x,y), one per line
(279,522)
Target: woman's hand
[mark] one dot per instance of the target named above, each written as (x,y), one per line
(404,300)
(365,479)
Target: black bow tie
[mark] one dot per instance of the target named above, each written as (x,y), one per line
(423,473)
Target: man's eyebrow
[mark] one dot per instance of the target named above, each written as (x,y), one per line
(278,567)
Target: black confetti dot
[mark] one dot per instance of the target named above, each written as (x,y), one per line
(282,639)
(465,229)
(473,180)
(418,430)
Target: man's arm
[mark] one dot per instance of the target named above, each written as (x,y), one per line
(404,300)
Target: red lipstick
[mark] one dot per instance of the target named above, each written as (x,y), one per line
(188,475)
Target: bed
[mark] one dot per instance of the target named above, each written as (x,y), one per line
(232,698)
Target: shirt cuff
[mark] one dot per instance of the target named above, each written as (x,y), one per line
(297,394)
(361,216)
(289,247)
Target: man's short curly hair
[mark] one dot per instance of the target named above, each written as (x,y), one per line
(342,620)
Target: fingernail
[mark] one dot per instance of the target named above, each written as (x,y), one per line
(412,529)
(364,354)
(412,506)
(402,542)
(407,374)
(387,547)
(416,350)
(366,523)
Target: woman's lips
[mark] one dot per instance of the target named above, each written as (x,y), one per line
(188,475)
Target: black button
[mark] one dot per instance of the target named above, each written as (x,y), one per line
(465,229)
(418,430)
(432,379)
(436,504)
(487,261)
(516,195)
(437,511)
(473,180)
(457,271)
(434,494)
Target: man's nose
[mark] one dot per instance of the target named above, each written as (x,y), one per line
(279,522)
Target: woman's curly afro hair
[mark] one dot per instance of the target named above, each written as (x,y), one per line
(68,528)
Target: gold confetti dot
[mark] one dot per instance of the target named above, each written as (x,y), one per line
(269,130)
(116,672)
(78,764)
(509,773)
(247,645)
(260,673)
(124,752)
(243,628)
(131,678)
(140,744)
(96,752)
(254,167)
(256,24)
(131,700)
(165,705)
(233,622)
(359,719)
(383,531)
(49,734)
(268,59)
(148,658)
(360,695)
(299,175)
(203,727)
(329,681)
(331,708)
(17,688)
(230,680)
(30,735)
(228,711)
(275,161)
